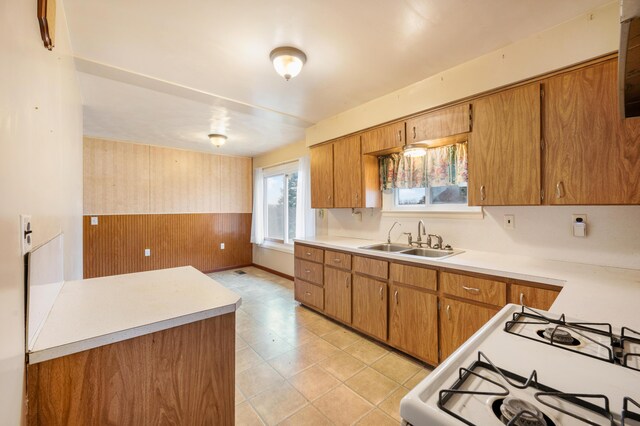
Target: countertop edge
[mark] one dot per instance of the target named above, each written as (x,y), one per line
(48,354)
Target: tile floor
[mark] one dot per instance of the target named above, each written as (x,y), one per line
(296,367)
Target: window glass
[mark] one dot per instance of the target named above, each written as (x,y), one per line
(410,197)
(292,191)
(275,211)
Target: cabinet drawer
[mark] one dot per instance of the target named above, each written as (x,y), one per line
(309,253)
(309,271)
(337,259)
(414,276)
(309,294)
(534,297)
(373,267)
(478,289)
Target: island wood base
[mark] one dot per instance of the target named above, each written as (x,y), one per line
(182,376)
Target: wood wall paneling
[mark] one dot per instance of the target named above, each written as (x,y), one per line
(116,245)
(181,376)
(236,179)
(115,177)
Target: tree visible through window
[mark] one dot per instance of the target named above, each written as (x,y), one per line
(280,195)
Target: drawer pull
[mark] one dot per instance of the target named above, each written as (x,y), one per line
(307,293)
(395,296)
(448,310)
(306,271)
(336,260)
(471,289)
(308,253)
(522,298)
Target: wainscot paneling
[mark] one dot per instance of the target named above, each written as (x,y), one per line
(116,245)
(179,376)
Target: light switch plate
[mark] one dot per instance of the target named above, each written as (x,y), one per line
(509,221)
(221,246)
(26,233)
(147,252)
(94,220)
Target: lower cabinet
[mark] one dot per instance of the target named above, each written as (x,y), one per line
(370,306)
(458,322)
(337,294)
(533,297)
(309,294)
(413,322)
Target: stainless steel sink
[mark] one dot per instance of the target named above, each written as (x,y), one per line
(426,252)
(387,247)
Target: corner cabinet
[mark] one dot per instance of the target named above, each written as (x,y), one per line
(504,148)
(591,153)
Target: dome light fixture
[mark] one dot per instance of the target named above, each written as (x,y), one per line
(413,151)
(217,139)
(288,61)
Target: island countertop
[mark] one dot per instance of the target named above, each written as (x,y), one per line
(99,311)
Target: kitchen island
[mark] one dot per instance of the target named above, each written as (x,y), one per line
(145,348)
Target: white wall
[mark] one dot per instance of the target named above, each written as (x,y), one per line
(40,169)
(545,232)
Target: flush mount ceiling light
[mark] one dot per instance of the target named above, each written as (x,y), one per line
(217,139)
(413,151)
(288,61)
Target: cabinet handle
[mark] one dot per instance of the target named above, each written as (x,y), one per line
(483,193)
(395,296)
(336,260)
(448,310)
(471,289)
(346,281)
(357,196)
(414,132)
(399,135)
(380,293)
(307,293)
(522,298)
(559,190)
(308,253)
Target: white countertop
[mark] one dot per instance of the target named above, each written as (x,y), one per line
(99,311)
(589,292)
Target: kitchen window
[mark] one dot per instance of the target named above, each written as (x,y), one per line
(436,182)
(280,202)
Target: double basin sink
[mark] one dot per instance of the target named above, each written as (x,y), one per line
(412,251)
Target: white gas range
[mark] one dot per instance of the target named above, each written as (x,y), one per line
(533,368)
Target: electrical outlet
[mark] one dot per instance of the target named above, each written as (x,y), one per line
(147,252)
(26,233)
(509,221)
(221,246)
(94,220)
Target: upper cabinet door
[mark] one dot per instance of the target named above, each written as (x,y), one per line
(322,176)
(591,154)
(347,172)
(383,138)
(504,149)
(439,124)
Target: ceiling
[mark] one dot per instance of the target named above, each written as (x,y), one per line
(170,72)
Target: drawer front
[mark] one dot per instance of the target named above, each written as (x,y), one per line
(478,289)
(414,276)
(337,259)
(309,294)
(534,297)
(309,253)
(373,267)
(309,271)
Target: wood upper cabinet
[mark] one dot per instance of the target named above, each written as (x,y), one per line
(504,149)
(439,124)
(591,154)
(347,172)
(383,138)
(370,306)
(322,176)
(458,322)
(413,322)
(533,297)
(337,294)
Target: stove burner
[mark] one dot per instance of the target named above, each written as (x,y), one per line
(506,409)
(560,336)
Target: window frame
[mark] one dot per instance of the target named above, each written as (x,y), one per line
(286,170)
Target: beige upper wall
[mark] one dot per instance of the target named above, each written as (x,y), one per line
(129,178)
(588,36)
(40,169)
(283,154)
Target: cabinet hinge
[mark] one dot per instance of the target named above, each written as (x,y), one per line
(439,354)
(438,305)
(542,194)
(541,92)
(542,144)
(470,118)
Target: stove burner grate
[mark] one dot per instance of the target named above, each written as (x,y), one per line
(634,339)
(519,382)
(627,414)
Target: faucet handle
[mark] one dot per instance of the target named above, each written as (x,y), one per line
(409,237)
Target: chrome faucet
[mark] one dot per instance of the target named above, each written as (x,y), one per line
(438,245)
(409,237)
(389,233)
(420,234)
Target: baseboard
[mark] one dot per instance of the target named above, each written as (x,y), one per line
(273,271)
